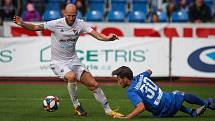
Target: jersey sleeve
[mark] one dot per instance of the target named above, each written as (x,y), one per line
(85,28)
(50,25)
(134,98)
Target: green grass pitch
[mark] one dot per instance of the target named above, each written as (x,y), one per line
(24,103)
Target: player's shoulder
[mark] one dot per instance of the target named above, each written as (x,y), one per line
(55,21)
(131,92)
(133,85)
(60,20)
(80,21)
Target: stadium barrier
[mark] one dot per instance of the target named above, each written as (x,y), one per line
(167,30)
(181,57)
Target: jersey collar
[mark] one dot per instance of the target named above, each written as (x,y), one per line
(64,21)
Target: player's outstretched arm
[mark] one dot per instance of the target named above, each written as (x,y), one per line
(102,37)
(17,20)
(138,109)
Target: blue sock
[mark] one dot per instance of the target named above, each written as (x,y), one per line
(192,99)
(186,110)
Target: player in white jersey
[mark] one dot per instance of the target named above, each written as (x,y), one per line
(65,62)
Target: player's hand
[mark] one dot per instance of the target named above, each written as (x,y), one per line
(120,117)
(17,20)
(113,37)
(149,71)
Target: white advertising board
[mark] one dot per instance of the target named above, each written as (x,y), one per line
(22,56)
(30,56)
(193,57)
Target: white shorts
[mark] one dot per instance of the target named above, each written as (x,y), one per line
(60,68)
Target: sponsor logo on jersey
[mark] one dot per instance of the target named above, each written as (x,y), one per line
(66,40)
(203,59)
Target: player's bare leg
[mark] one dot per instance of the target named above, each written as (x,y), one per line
(72,89)
(88,80)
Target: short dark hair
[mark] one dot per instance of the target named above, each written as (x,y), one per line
(122,72)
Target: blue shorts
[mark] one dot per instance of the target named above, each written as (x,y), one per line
(172,103)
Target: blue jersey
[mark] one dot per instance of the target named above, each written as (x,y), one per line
(159,103)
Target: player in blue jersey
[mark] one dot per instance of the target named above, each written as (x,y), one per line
(146,95)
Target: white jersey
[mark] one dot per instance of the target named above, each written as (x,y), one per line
(64,38)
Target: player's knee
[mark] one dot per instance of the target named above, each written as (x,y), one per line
(71,77)
(93,86)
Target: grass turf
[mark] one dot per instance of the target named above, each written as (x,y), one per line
(24,103)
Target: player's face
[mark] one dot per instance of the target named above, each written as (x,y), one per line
(70,17)
(122,82)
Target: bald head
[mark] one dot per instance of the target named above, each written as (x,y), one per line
(70,8)
(70,14)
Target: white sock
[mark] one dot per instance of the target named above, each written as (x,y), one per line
(72,89)
(100,97)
